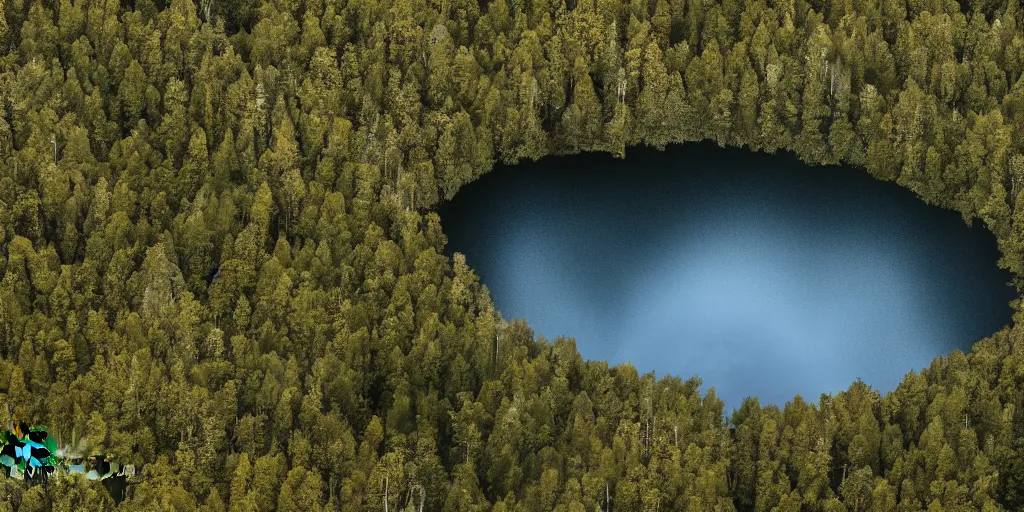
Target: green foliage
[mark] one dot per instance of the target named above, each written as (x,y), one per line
(217,257)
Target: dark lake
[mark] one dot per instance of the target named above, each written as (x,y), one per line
(760,274)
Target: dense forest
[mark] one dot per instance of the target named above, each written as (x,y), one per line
(219,261)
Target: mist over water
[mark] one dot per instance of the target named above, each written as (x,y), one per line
(760,274)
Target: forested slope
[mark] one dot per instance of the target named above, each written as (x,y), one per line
(218,259)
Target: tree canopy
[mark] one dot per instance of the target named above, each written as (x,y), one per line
(218,259)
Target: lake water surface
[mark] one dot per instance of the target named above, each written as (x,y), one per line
(760,274)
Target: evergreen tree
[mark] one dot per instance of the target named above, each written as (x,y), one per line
(218,260)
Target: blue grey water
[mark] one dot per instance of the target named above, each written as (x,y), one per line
(758,273)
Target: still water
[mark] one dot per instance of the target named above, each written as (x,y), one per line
(760,274)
